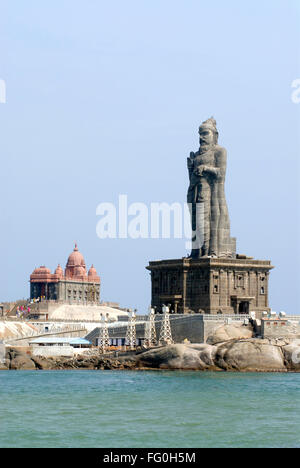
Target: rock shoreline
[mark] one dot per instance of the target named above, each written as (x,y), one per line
(235,355)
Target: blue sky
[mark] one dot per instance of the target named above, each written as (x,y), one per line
(105,98)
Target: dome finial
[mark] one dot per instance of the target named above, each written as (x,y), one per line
(75,248)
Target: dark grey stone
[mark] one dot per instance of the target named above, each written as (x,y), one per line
(206,196)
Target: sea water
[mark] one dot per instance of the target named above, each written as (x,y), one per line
(148,409)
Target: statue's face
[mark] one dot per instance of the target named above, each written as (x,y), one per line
(206,136)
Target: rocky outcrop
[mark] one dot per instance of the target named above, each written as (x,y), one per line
(179,356)
(230,332)
(236,355)
(291,354)
(17,359)
(244,355)
(250,355)
(3,366)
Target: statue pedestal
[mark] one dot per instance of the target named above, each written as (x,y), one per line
(211,285)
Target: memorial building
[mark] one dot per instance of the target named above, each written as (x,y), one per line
(74,285)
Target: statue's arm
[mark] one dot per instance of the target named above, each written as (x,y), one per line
(211,170)
(208,169)
(221,162)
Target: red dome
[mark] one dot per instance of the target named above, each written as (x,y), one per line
(93,276)
(59,271)
(42,270)
(75,267)
(76,258)
(79,271)
(92,271)
(41,274)
(75,271)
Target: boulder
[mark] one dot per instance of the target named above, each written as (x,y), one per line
(22,363)
(225,333)
(291,354)
(207,354)
(250,355)
(42,363)
(178,356)
(4,365)
(18,360)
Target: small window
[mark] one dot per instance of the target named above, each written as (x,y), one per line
(239,281)
(262,290)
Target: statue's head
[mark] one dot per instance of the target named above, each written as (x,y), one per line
(208,132)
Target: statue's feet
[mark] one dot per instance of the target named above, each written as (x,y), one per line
(213,255)
(195,253)
(204,252)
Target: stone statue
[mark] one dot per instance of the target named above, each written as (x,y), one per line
(206,197)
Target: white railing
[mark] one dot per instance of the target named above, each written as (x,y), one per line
(37,334)
(222,317)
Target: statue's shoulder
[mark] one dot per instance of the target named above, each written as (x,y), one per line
(220,151)
(220,156)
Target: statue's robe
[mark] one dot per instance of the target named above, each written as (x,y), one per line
(209,213)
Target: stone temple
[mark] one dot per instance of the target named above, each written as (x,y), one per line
(74,285)
(214,279)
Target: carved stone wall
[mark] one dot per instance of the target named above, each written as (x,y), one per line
(211,285)
(69,291)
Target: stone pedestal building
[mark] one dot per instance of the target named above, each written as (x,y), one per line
(211,285)
(74,285)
